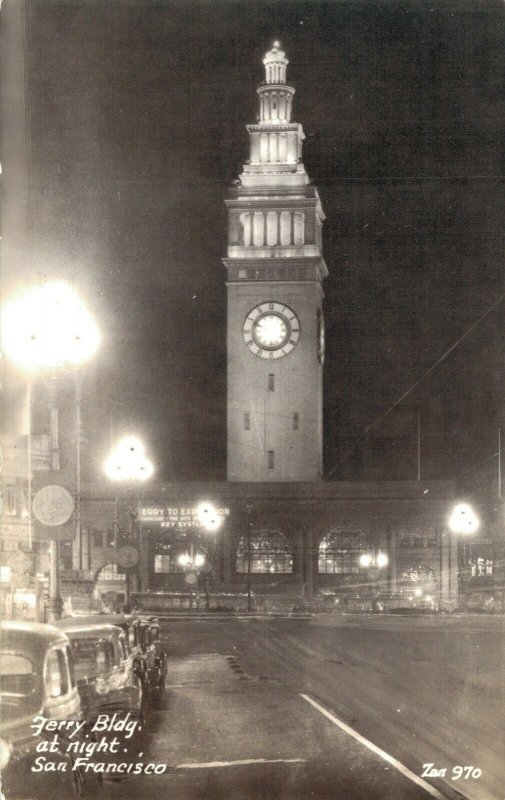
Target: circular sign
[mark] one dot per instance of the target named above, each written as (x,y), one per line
(53,506)
(127,556)
(20,562)
(190,578)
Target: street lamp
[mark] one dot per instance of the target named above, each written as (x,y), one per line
(211,521)
(463,519)
(48,329)
(249,509)
(379,560)
(127,464)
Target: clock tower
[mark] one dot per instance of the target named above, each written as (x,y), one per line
(275,320)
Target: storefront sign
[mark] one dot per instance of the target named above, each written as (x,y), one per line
(177,516)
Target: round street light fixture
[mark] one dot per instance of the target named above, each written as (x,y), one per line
(127,462)
(49,328)
(463,519)
(208,517)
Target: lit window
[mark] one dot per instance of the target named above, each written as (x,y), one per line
(165,564)
(339,552)
(480,558)
(268,552)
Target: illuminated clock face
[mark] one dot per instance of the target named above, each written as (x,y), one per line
(271,330)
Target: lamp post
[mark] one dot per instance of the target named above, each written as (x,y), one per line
(464,521)
(192,562)
(127,465)
(211,522)
(47,329)
(374,562)
(249,508)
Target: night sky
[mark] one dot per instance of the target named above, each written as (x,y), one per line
(135,129)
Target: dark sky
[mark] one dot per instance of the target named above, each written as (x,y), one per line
(135,128)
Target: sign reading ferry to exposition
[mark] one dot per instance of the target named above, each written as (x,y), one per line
(177,516)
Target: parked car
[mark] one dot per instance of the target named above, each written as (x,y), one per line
(107,679)
(158,644)
(37,680)
(156,664)
(130,625)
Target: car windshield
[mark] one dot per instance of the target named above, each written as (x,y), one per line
(17,679)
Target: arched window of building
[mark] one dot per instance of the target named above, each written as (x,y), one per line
(269,552)
(109,573)
(339,552)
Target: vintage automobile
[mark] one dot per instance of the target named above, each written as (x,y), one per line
(158,644)
(37,680)
(155,658)
(130,625)
(107,679)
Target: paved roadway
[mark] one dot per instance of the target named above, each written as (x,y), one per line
(330,708)
(421,690)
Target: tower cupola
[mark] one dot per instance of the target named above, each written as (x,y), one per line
(276,97)
(275,62)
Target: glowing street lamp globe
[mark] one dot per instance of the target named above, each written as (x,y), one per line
(464,519)
(128,462)
(382,560)
(49,328)
(208,517)
(365,560)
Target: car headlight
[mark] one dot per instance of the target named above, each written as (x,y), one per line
(5,753)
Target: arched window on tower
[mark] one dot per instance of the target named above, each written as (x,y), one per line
(339,551)
(269,553)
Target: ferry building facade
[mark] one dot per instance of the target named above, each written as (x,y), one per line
(279,526)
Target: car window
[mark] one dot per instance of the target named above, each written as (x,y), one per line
(123,650)
(56,677)
(17,676)
(104,657)
(132,636)
(84,658)
(71,666)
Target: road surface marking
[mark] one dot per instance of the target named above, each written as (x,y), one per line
(377,750)
(209,764)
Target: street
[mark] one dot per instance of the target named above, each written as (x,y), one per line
(244,713)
